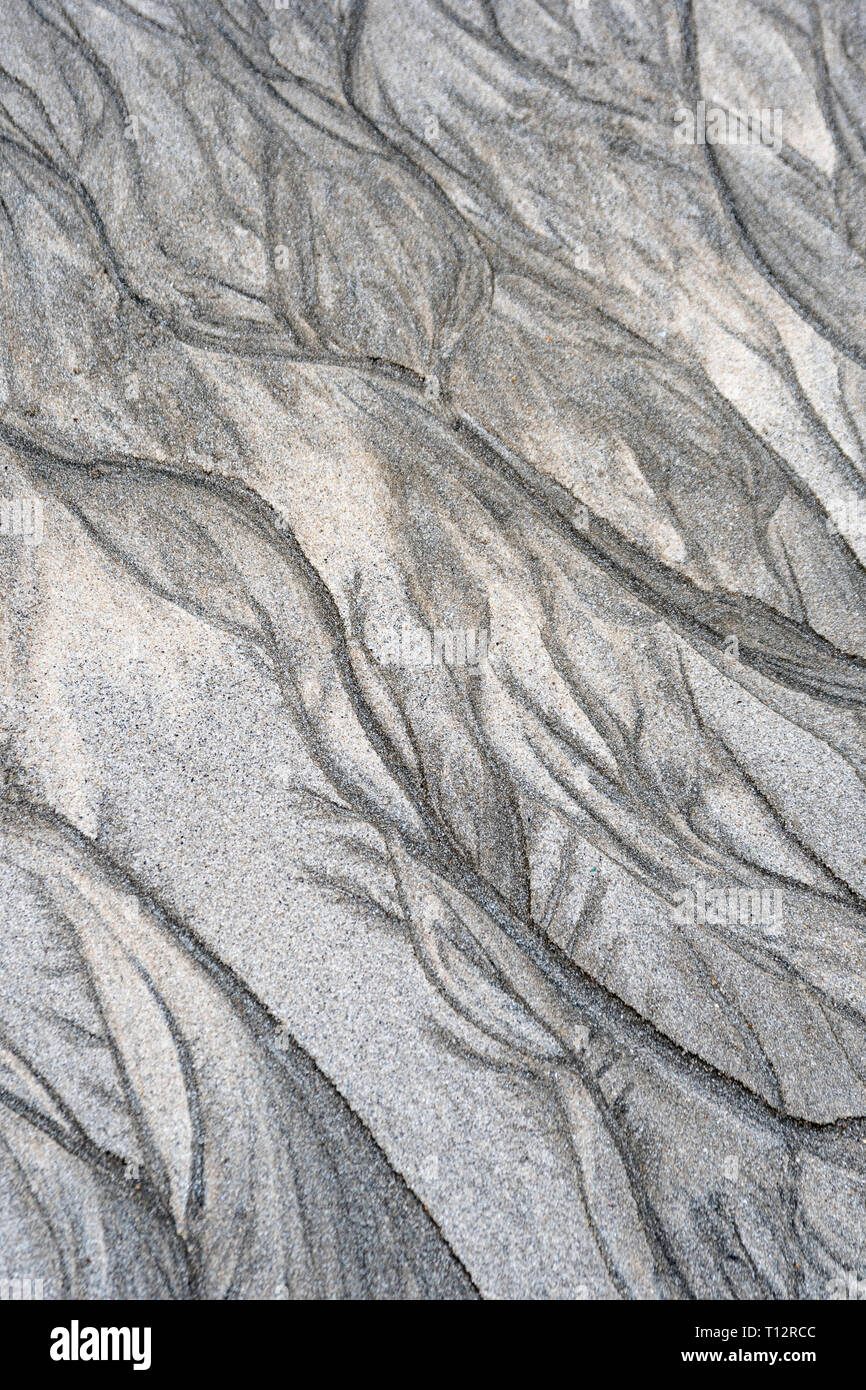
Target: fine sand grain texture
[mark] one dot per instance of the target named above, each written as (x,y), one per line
(433,648)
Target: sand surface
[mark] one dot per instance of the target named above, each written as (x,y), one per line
(432,637)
